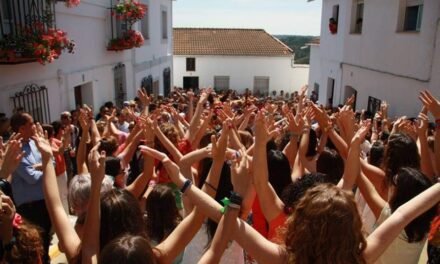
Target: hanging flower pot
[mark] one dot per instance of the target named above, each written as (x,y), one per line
(130,39)
(36,43)
(130,11)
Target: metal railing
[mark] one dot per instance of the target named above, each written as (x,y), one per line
(34,100)
(16,16)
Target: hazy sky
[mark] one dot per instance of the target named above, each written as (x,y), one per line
(293,17)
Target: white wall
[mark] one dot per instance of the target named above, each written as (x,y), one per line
(381,62)
(89,25)
(242,70)
(382,47)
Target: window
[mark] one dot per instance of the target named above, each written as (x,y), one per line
(373,105)
(413,15)
(121,28)
(261,86)
(190,64)
(147,84)
(221,83)
(164,25)
(6,17)
(358,16)
(333,21)
(145,23)
(120,84)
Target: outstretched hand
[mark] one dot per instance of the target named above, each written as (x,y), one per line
(97,164)
(171,167)
(262,135)
(11,157)
(42,142)
(239,171)
(432,103)
(362,132)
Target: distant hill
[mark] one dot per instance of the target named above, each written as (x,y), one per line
(302,56)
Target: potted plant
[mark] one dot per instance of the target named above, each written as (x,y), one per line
(129,11)
(130,39)
(36,43)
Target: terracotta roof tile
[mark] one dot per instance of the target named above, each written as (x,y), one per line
(228,42)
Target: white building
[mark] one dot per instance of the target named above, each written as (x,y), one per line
(235,59)
(383,50)
(93,75)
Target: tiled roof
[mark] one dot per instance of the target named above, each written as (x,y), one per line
(228,42)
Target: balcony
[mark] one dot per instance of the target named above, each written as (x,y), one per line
(28,32)
(124,14)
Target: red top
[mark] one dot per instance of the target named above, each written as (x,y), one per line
(184,146)
(259,223)
(276,226)
(60,164)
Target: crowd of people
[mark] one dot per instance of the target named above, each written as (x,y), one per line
(222,178)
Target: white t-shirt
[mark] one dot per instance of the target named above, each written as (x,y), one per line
(400,251)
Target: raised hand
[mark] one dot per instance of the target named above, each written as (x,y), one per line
(422,124)
(362,132)
(303,91)
(432,103)
(143,96)
(42,142)
(190,94)
(97,164)
(296,124)
(262,135)
(321,116)
(171,167)
(239,172)
(350,101)
(11,158)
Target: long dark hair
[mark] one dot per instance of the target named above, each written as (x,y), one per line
(409,183)
(400,152)
(162,213)
(224,189)
(128,249)
(278,170)
(120,214)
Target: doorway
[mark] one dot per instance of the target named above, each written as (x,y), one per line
(191,83)
(84,94)
(330,91)
(350,91)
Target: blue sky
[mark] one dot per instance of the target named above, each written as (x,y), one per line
(293,17)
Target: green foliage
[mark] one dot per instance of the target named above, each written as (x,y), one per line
(302,56)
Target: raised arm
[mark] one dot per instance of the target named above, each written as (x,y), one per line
(352,166)
(296,124)
(138,186)
(422,143)
(271,204)
(195,120)
(90,242)
(382,237)
(63,228)
(242,184)
(258,247)
(433,105)
(81,153)
(174,152)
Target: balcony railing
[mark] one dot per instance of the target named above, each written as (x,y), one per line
(28,32)
(17,17)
